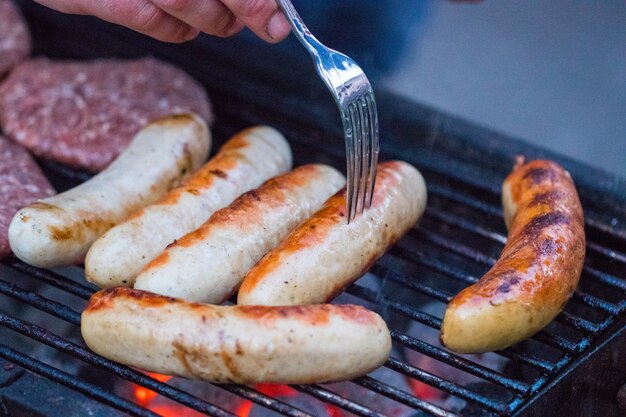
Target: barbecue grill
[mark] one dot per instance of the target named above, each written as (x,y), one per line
(574,367)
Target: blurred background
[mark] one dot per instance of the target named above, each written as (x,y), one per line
(552,73)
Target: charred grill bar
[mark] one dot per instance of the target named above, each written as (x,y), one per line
(459,238)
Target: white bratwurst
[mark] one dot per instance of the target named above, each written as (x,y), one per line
(58,231)
(235,344)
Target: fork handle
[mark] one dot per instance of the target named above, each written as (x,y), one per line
(298,27)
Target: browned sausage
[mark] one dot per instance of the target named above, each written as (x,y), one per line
(324,254)
(241,344)
(537,271)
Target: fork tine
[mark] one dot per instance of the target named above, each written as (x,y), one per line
(374,145)
(365,154)
(353,181)
(348,129)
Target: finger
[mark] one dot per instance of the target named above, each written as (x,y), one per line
(210,16)
(262,16)
(140,15)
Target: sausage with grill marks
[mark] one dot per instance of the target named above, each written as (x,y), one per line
(538,269)
(243,163)
(235,344)
(324,254)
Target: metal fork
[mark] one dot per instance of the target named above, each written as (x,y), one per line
(355,98)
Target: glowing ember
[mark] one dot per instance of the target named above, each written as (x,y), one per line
(144,395)
(334,411)
(276,390)
(244,409)
(174,410)
(425,391)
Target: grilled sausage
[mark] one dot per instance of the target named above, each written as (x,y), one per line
(324,254)
(209,264)
(243,163)
(537,271)
(235,344)
(58,230)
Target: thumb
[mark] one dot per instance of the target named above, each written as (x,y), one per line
(262,16)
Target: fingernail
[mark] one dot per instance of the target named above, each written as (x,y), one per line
(192,33)
(237,26)
(278,27)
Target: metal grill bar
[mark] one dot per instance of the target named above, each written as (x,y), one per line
(454,247)
(52,307)
(459,362)
(336,400)
(406,252)
(419,316)
(68,380)
(609,253)
(409,282)
(264,400)
(52,278)
(465,200)
(604,228)
(605,278)
(539,383)
(402,397)
(515,354)
(444,385)
(579,323)
(67,172)
(560,342)
(595,302)
(464,224)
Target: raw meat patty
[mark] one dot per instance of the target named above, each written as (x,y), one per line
(14,37)
(85,113)
(21,183)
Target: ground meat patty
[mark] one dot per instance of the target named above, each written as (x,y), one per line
(85,113)
(21,183)
(14,37)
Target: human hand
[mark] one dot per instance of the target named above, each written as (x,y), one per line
(182,20)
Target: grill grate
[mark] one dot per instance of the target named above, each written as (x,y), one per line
(459,239)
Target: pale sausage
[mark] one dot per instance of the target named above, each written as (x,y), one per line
(58,230)
(235,344)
